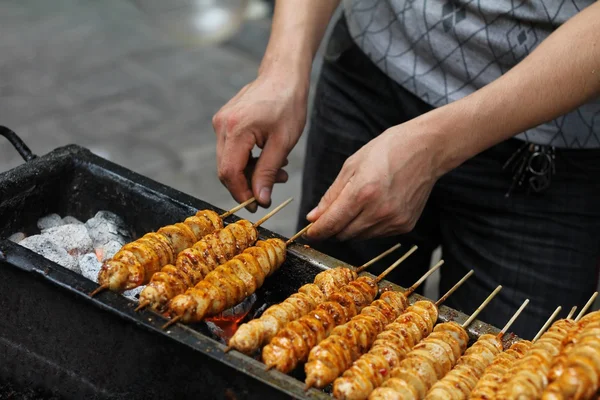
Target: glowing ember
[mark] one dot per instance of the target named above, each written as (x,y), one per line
(227,323)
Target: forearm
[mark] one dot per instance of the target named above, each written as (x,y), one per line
(297,30)
(561,74)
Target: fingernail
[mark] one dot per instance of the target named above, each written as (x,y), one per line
(313,213)
(264,195)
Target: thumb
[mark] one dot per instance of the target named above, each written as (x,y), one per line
(332,193)
(270,161)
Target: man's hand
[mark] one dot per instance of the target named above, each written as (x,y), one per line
(382,189)
(269,113)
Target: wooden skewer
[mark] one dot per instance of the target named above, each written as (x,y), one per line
(272,212)
(514,317)
(99,289)
(171,322)
(547,324)
(394,265)
(453,288)
(482,306)
(224,215)
(374,260)
(237,208)
(586,307)
(572,312)
(297,235)
(426,275)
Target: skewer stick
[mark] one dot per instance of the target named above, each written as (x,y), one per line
(547,324)
(482,306)
(99,289)
(513,318)
(418,283)
(297,235)
(453,288)
(374,260)
(171,322)
(394,265)
(237,208)
(272,212)
(586,307)
(269,367)
(142,305)
(572,312)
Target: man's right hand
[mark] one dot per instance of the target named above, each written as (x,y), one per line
(269,113)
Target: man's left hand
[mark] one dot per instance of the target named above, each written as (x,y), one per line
(381,189)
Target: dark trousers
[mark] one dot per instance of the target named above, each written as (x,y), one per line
(542,246)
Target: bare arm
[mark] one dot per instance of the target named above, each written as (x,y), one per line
(561,74)
(383,188)
(271,111)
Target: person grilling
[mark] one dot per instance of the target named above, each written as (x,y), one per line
(474,125)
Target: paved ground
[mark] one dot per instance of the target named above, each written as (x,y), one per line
(100,74)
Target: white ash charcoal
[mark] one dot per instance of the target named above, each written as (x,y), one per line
(49,221)
(17,237)
(106,227)
(134,294)
(73,238)
(108,250)
(68,220)
(46,247)
(90,266)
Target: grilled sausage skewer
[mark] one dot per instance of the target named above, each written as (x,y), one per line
(332,356)
(579,376)
(230,283)
(430,360)
(460,381)
(527,378)
(291,345)
(252,335)
(135,263)
(390,347)
(492,377)
(558,363)
(195,262)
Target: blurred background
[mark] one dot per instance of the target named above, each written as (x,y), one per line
(136,82)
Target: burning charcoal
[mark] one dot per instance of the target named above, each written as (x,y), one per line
(73,238)
(17,237)
(49,221)
(90,266)
(107,251)
(46,247)
(106,227)
(68,220)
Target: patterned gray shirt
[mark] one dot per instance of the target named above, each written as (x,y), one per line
(443,50)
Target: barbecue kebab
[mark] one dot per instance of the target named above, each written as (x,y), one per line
(291,346)
(135,263)
(492,377)
(332,356)
(194,263)
(256,333)
(230,283)
(429,361)
(460,381)
(390,347)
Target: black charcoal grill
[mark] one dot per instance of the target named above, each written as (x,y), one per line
(57,342)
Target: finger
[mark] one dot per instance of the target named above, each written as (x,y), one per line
(363,222)
(331,194)
(235,156)
(267,167)
(282,176)
(337,216)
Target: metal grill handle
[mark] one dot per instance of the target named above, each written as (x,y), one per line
(17,143)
